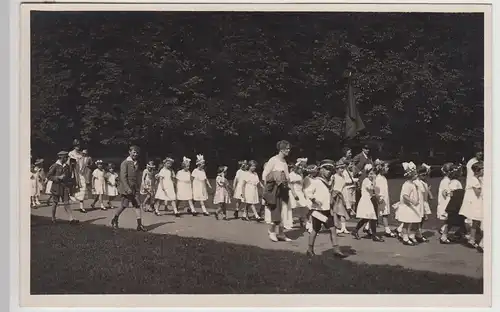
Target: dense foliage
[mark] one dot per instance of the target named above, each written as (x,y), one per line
(229,85)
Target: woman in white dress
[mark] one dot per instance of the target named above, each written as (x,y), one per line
(237,186)
(200,183)
(410,212)
(443,200)
(473,208)
(98,185)
(366,209)
(184,186)
(250,187)
(297,200)
(111,184)
(277,166)
(165,191)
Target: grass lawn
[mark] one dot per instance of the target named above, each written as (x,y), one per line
(92,259)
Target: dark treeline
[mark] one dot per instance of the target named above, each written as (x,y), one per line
(229,85)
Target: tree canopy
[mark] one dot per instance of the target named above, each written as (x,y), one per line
(229,85)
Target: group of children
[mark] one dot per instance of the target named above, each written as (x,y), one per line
(164,187)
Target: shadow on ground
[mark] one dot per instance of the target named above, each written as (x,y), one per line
(93,259)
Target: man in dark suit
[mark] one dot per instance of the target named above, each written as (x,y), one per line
(129,186)
(360,161)
(60,184)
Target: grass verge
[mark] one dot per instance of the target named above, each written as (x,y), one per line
(92,259)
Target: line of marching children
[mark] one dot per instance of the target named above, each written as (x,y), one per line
(457,206)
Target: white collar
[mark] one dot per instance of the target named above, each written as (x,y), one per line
(366,156)
(130,159)
(60,163)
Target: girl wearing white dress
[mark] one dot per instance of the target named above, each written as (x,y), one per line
(250,185)
(165,191)
(297,200)
(237,186)
(221,197)
(423,192)
(444,199)
(409,210)
(452,217)
(148,186)
(200,183)
(339,185)
(184,186)
(366,209)
(111,184)
(382,190)
(473,208)
(34,185)
(98,185)
(349,191)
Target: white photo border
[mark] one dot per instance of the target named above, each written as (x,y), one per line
(19,116)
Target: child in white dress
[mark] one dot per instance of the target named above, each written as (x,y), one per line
(237,186)
(148,186)
(297,200)
(250,185)
(165,191)
(473,208)
(339,185)
(366,209)
(200,183)
(444,199)
(40,180)
(221,197)
(312,172)
(34,185)
(423,191)
(409,210)
(382,191)
(98,185)
(349,191)
(111,184)
(184,186)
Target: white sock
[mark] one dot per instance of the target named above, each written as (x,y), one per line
(367,226)
(387,229)
(81,205)
(68,211)
(400,227)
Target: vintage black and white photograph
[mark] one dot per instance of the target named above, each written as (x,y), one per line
(256,152)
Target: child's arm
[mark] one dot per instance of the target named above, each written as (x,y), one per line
(208,184)
(294,194)
(243,182)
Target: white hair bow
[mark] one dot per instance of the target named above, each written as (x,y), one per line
(368,167)
(186,160)
(378,162)
(301,161)
(199,159)
(426,166)
(407,166)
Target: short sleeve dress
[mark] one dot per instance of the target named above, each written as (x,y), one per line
(296,181)
(382,190)
(252,181)
(184,189)
(365,209)
(407,212)
(238,188)
(99,182)
(165,190)
(200,192)
(111,179)
(473,208)
(221,191)
(444,188)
